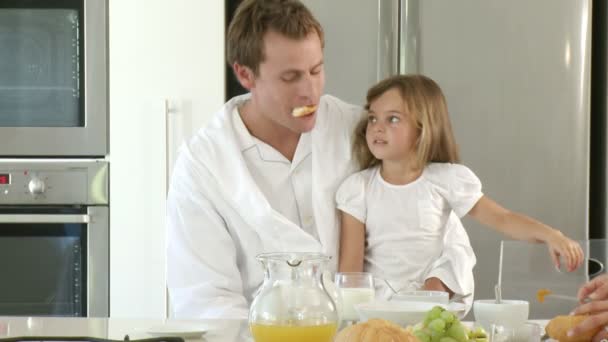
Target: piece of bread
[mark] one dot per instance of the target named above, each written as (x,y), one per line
(375,330)
(304,110)
(558,327)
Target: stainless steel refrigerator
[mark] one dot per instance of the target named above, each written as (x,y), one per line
(519,79)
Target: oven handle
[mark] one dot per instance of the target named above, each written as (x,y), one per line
(44,218)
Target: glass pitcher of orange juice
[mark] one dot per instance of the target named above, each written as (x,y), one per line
(293,303)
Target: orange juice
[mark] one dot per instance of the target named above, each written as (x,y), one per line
(293,333)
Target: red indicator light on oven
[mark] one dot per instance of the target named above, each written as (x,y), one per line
(5,179)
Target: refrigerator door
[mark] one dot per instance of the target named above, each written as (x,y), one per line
(361,44)
(516,77)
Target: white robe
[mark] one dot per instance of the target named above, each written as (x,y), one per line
(219,220)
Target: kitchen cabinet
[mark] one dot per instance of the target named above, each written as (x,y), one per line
(166,79)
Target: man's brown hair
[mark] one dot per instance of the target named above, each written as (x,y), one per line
(253,18)
(426,103)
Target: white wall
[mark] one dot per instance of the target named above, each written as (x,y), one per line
(159,50)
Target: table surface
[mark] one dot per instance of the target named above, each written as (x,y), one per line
(118,328)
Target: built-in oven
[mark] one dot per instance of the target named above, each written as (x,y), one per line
(53,78)
(54,237)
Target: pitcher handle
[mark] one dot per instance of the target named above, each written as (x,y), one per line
(332,290)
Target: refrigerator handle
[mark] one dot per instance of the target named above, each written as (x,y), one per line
(409,36)
(388,39)
(169,110)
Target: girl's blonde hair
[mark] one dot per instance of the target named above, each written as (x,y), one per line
(426,103)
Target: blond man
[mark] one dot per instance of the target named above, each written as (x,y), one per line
(261,177)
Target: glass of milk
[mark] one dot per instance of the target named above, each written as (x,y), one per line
(354,288)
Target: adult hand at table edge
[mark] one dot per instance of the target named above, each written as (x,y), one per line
(596,288)
(597,319)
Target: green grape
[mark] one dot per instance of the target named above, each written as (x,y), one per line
(478,333)
(448,316)
(436,336)
(418,326)
(437,325)
(422,336)
(447,339)
(435,312)
(458,332)
(481,339)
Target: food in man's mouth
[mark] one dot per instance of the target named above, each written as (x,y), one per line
(558,327)
(303,111)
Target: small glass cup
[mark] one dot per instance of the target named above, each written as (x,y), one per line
(4,329)
(354,288)
(528,332)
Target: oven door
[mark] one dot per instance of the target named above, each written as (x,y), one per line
(54,78)
(54,261)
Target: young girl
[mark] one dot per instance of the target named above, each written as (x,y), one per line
(398,213)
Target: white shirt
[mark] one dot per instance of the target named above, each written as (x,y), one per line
(406,225)
(287,185)
(219,218)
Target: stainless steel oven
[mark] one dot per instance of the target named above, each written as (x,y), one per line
(54,238)
(53,78)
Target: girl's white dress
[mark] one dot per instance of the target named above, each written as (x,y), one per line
(413,231)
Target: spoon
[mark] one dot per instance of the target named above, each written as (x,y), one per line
(498,294)
(545,293)
(389,286)
(459,297)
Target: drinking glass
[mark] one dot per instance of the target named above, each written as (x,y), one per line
(528,332)
(4,331)
(354,288)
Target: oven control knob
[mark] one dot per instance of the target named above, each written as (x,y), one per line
(36,186)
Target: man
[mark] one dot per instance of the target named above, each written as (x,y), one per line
(593,299)
(258,178)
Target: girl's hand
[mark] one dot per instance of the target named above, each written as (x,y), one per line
(435,284)
(570,250)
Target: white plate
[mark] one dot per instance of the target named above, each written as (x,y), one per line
(400,312)
(186,331)
(456,307)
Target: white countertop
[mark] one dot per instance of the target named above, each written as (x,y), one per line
(118,328)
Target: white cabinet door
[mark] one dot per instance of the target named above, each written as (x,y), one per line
(160,52)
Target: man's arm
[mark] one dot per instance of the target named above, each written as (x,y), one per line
(202,274)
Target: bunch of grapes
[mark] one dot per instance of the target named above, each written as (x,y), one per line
(440,325)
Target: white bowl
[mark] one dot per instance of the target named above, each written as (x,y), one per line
(422,296)
(400,312)
(509,313)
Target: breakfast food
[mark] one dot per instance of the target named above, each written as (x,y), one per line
(442,325)
(375,330)
(304,110)
(540,295)
(558,327)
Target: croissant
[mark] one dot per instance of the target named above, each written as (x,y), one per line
(375,330)
(558,327)
(304,110)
